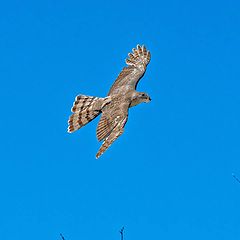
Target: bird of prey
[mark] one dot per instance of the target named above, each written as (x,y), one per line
(114,107)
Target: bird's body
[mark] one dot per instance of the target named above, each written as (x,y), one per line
(114,107)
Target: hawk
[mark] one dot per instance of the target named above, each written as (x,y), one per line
(114,107)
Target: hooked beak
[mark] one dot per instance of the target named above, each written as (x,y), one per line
(148,100)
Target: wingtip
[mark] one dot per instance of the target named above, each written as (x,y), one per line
(139,46)
(99,153)
(139,55)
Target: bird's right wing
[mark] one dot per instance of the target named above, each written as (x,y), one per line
(130,75)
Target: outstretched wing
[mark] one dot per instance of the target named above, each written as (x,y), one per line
(130,75)
(111,124)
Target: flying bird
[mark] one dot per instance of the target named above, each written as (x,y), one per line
(114,107)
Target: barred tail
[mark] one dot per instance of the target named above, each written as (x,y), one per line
(85,109)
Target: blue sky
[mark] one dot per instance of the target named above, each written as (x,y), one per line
(169,176)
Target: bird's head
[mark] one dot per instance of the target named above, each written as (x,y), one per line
(139,97)
(143,97)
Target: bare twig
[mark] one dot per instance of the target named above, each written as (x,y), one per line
(62,236)
(236,178)
(121,232)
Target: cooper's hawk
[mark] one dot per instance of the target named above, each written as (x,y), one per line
(114,107)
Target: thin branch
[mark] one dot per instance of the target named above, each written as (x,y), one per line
(62,236)
(236,178)
(121,232)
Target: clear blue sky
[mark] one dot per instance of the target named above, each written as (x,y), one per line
(169,176)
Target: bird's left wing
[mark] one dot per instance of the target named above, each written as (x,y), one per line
(130,75)
(111,124)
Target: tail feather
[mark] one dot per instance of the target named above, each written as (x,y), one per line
(82,102)
(85,109)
